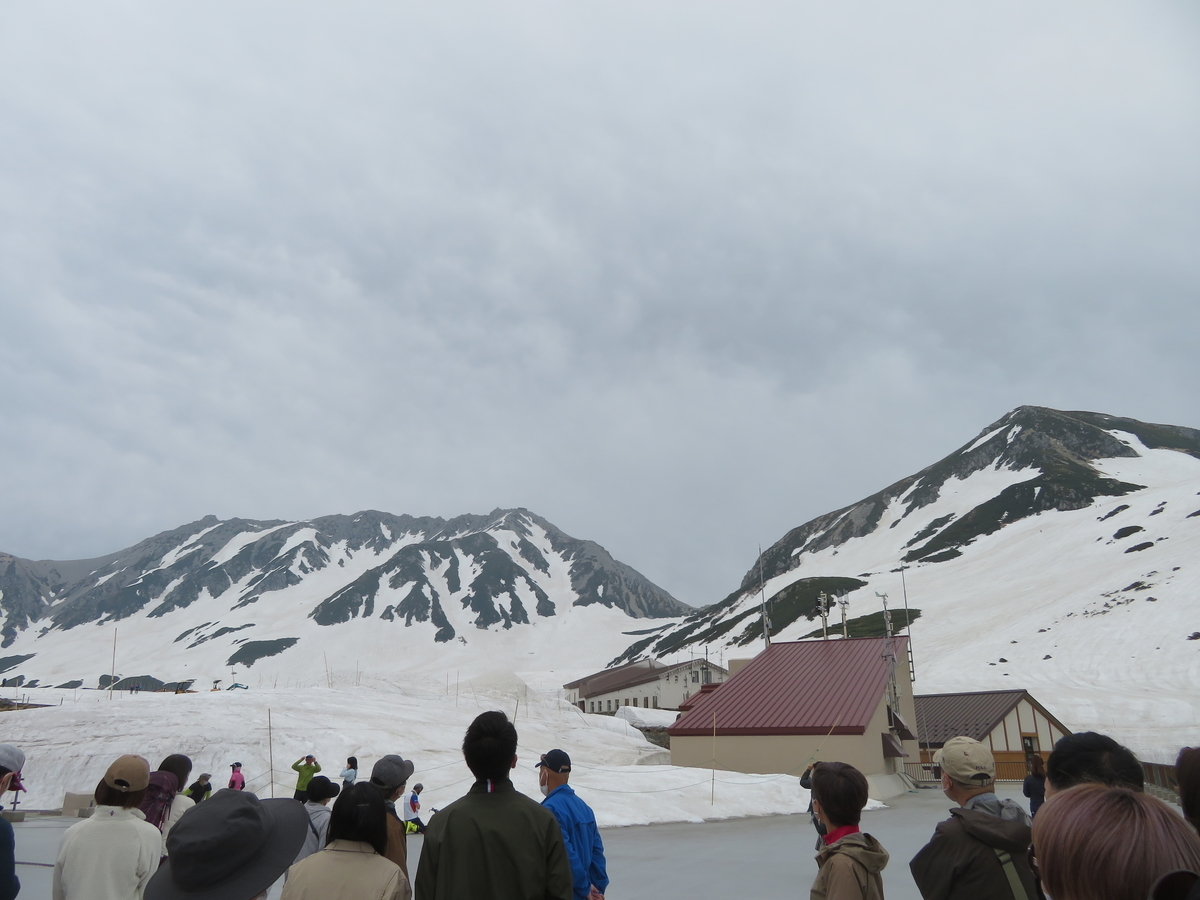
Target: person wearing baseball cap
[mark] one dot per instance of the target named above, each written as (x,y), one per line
(585,850)
(981,851)
(113,853)
(231,847)
(12,760)
(389,776)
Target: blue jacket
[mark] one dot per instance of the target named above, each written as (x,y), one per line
(10,886)
(584,848)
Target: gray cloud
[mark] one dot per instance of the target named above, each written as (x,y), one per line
(677,278)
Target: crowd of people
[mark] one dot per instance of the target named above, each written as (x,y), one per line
(154,835)
(1094,833)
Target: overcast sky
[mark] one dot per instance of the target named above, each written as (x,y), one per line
(678,276)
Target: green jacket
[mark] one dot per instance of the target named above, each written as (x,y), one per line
(493,845)
(306,773)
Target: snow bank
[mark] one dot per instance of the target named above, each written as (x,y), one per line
(69,746)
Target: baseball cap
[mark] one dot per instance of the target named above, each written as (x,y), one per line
(966,761)
(391,771)
(556,761)
(129,773)
(11,758)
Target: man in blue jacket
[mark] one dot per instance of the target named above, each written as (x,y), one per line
(578,824)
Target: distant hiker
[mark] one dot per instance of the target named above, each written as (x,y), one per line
(494,843)
(232,847)
(1087,756)
(585,850)
(1096,842)
(320,791)
(850,862)
(200,788)
(412,811)
(389,777)
(113,853)
(350,773)
(981,851)
(1035,784)
(307,767)
(353,866)
(237,781)
(12,761)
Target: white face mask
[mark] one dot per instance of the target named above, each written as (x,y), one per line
(545,789)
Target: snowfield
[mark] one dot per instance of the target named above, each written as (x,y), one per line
(622,776)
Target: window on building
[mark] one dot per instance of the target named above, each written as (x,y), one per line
(677,678)
(695,677)
(656,701)
(609,706)
(645,702)
(635,701)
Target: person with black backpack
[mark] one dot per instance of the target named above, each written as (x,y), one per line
(164,802)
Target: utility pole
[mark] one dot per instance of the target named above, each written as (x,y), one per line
(823,609)
(844,604)
(912,663)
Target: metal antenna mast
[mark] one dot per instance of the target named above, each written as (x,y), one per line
(762,594)
(844,604)
(912,663)
(823,609)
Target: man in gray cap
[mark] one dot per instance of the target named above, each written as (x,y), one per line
(390,776)
(981,851)
(12,761)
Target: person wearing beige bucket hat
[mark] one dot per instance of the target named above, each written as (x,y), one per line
(112,854)
(981,851)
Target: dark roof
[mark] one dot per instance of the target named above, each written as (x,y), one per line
(798,687)
(943,716)
(630,675)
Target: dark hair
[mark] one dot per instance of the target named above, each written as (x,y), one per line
(1090,757)
(178,765)
(359,814)
(841,790)
(1187,773)
(321,788)
(110,796)
(352,761)
(1097,842)
(489,746)
(1037,766)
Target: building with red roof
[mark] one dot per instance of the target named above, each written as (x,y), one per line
(799,702)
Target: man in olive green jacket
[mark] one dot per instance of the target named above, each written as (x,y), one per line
(494,843)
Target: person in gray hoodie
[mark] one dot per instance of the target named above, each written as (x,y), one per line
(981,851)
(850,863)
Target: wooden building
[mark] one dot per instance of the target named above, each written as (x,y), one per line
(803,701)
(1012,723)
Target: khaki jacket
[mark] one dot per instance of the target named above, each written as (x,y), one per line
(850,870)
(346,870)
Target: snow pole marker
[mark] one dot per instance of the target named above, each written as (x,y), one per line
(271,751)
(112,673)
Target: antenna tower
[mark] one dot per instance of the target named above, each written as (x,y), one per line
(762,594)
(845,605)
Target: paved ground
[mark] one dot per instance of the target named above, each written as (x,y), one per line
(769,858)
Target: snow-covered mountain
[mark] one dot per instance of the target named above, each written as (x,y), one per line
(1058,551)
(290,600)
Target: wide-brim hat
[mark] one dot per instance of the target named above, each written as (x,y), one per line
(231,845)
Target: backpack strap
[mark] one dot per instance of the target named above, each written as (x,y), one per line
(1010,870)
(313,829)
